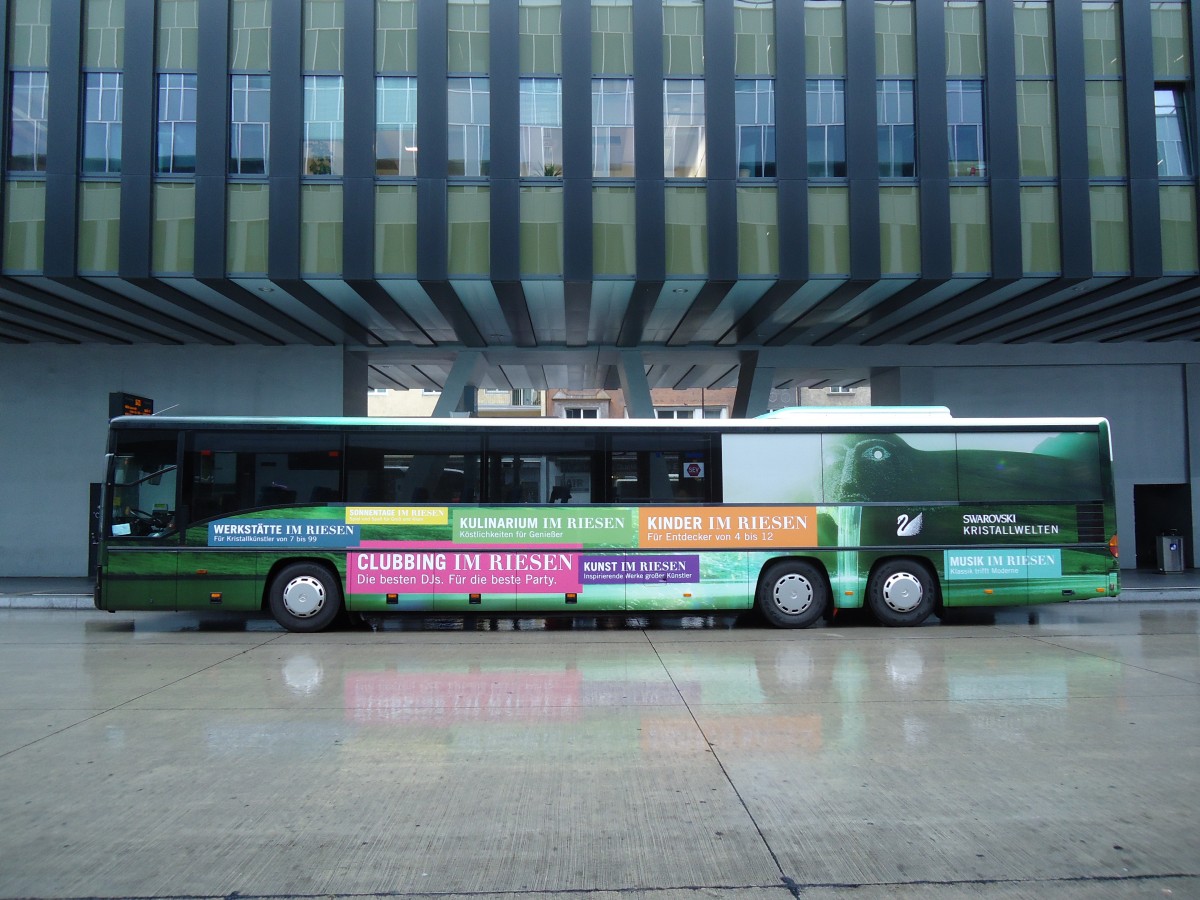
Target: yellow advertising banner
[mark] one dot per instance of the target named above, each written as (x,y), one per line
(397,515)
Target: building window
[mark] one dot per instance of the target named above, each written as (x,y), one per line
(1174,159)
(897,129)
(27,138)
(683,37)
(754,37)
(469,117)
(612,127)
(581,412)
(686,226)
(826,128)
(250,35)
(839,389)
(250,124)
(324,28)
(540,36)
(614,231)
(526,397)
(396,126)
(541,128)
(684,150)
(176,124)
(612,37)
(323,118)
(396,35)
(754,106)
(102,123)
(468,38)
(964,124)
(1106,128)
(541,234)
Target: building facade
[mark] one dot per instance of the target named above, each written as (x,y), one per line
(270,206)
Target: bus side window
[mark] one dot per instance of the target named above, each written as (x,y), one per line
(665,469)
(404,468)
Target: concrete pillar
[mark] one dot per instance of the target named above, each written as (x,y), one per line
(631,369)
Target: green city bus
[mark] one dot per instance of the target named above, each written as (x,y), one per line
(796,514)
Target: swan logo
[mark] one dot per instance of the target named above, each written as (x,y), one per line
(906,527)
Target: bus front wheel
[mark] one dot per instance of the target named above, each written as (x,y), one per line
(902,592)
(304,597)
(793,594)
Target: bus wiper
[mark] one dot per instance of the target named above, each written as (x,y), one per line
(159,474)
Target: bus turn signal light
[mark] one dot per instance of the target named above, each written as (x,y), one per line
(1112,547)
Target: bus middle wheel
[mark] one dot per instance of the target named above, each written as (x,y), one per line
(304,597)
(793,594)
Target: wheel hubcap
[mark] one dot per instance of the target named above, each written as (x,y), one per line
(793,594)
(304,596)
(902,592)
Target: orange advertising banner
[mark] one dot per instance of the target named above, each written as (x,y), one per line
(760,527)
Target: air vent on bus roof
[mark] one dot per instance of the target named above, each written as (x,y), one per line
(886,413)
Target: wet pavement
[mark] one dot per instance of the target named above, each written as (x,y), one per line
(1021,753)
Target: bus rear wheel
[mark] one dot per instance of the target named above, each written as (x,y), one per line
(902,592)
(304,597)
(793,594)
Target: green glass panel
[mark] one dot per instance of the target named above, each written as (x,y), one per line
(612,37)
(539,37)
(396,35)
(687,230)
(104,34)
(178,32)
(321,229)
(614,231)
(1034,38)
(250,36)
(1177,211)
(99,226)
(174,248)
(754,37)
(1036,129)
(1040,238)
(824,37)
(1169,27)
(469,217)
(247,235)
(683,37)
(468,45)
(899,231)
(396,229)
(895,41)
(829,230)
(1102,37)
(29,34)
(541,231)
(964,38)
(1105,129)
(24,225)
(758,231)
(970,234)
(324,27)
(1110,228)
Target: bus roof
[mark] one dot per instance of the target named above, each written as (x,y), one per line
(799,418)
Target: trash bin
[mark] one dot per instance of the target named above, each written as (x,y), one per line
(1170,553)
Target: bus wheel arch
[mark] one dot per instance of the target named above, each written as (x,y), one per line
(793,592)
(903,591)
(304,595)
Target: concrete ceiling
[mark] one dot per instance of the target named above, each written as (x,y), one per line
(545,334)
